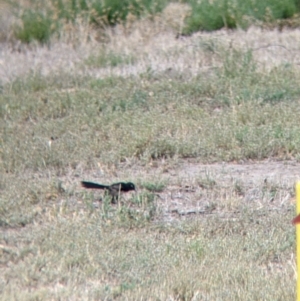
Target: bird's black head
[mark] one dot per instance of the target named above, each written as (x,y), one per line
(130,186)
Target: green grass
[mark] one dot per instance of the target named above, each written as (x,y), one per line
(36,27)
(40,21)
(155,187)
(235,113)
(214,15)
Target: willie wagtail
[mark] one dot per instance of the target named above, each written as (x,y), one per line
(113,190)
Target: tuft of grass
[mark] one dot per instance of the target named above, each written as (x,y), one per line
(207,182)
(154,186)
(108,59)
(135,212)
(36,26)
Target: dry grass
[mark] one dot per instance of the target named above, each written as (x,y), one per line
(147,107)
(79,257)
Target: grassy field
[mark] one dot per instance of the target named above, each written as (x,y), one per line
(207,128)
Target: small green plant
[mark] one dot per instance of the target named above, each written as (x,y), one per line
(195,248)
(238,64)
(142,209)
(239,188)
(207,182)
(154,186)
(36,26)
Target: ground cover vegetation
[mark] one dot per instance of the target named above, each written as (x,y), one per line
(42,19)
(190,232)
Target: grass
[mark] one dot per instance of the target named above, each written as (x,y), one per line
(79,256)
(256,118)
(108,59)
(41,20)
(36,26)
(190,231)
(214,15)
(155,187)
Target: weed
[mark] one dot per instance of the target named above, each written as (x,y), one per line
(154,187)
(207,182)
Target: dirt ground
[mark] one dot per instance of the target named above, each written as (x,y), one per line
(248,180)
(222,189)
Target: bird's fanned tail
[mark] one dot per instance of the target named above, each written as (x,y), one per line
(93,185)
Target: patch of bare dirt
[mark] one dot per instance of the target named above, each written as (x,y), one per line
(196,188)
(193,188)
